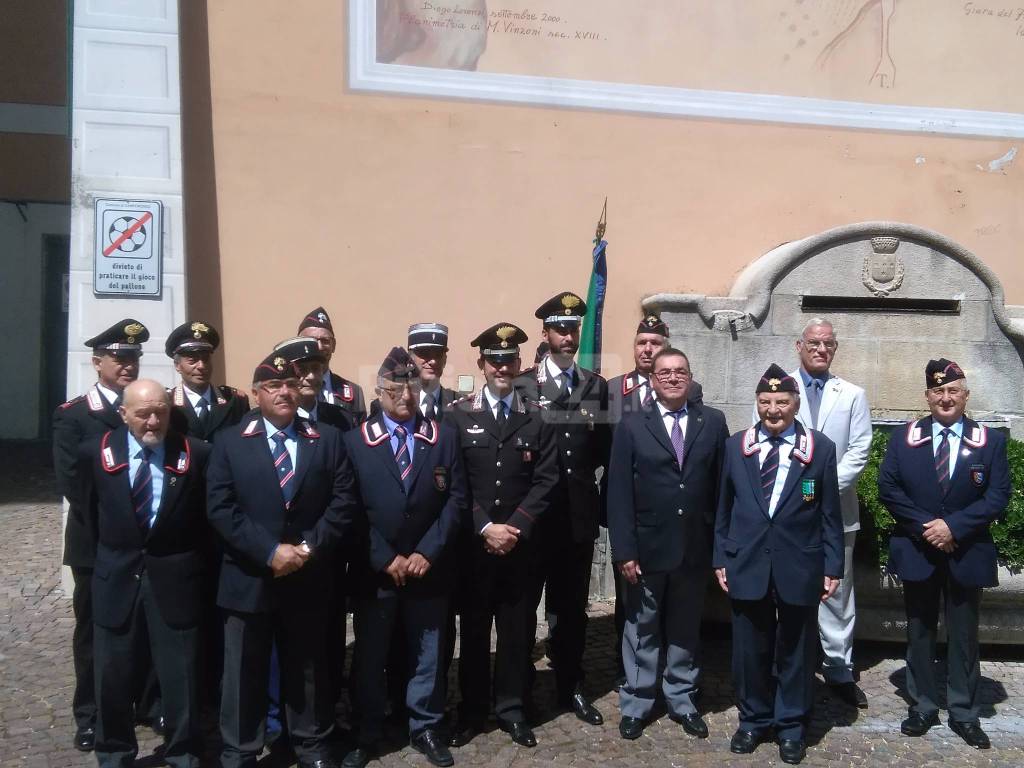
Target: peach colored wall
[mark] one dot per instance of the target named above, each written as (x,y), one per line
(393,210)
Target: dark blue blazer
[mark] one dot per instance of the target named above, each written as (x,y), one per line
(978,494)
(246,507)
(171,553)
(657,513)
(797,547)
(424,520)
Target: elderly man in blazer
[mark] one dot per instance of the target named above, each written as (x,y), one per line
(411,491)
(945,479)
(280,497)
(144,490)
(839,409)
(778,554)
(662,495)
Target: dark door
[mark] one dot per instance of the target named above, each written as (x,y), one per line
(54,322)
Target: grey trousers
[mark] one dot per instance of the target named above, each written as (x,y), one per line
(836,617)
(662,615)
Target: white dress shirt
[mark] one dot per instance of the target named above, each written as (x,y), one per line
(956,433)
(785,448)
(643,387)
(108,393)
(492,401)
(556,373)
(196,399)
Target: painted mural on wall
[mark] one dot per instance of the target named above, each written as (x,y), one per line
(918,64)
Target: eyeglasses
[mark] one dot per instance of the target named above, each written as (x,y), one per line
(278,385)
(666,375)
(815,344)
(398,390)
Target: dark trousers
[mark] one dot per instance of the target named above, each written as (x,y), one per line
(423,625)
(499,588)
(963,665)
(124,657)
(564,572)
(301,638)
(83,702)
(621,590)
(767,634)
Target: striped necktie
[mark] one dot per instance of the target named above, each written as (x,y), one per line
(402,457)
(769,470)
(285,469)
(648,400)
(677,436)
(142,492)
(942,461)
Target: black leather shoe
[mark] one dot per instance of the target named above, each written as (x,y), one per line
(358,757)
(850,694)
(692,723)
(631,728)
(319,764)
(792,751)
(520,733)
(583,709)
(159,726)
(431,746)
(744,742)
(971,733)
(464,732)
(917,724)
(85,739)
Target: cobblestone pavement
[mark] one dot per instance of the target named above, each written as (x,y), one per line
(36,684)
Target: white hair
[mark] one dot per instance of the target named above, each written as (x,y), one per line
(814,322)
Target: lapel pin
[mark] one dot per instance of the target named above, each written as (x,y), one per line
(172,480)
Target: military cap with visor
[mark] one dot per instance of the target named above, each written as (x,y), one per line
(565,308)
(127,335)
(500,342)
(300,348)
(195,336)
(428,335)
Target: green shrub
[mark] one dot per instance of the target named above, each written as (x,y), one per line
(1008,532)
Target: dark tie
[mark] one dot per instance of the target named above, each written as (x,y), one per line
(649,396)
(502,414)
(203,414)
(769,469)
(402,457)
(142,492)
(942,461)
(428,407)
(117,403)
(677,436)
(285,470)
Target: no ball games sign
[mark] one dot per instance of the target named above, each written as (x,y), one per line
(128,257)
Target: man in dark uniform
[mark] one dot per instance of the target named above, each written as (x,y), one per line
(662,497)
(511,464)
(337,390)
(778,553)
(143,485)
(574,401)
(412,493)
(945,479)
(428,345)
(200,408)
(280,496)
(115,356)
(311,362)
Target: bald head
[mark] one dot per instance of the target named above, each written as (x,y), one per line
(146,409)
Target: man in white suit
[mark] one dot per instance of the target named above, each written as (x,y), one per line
(839,409)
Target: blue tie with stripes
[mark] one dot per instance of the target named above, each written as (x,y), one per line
(402,456)
(769,469)
(285,470)
(142,492)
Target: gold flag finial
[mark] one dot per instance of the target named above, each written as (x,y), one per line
(602,223)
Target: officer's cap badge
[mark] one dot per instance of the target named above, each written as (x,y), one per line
(774,384)
(198,329)
(279,363)
(505,333)
(570,302)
